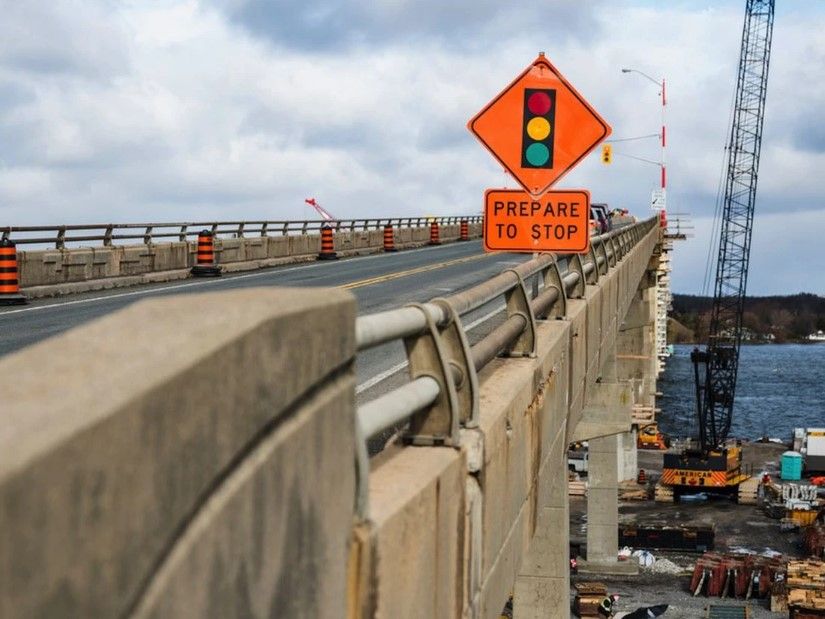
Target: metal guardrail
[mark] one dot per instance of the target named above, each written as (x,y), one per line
(442,394)
(148,233)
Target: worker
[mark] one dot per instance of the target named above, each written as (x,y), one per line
(606,606)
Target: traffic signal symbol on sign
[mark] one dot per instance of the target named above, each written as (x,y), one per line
(539,127)
(607,153)
(539,121)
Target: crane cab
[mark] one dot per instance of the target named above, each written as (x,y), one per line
(692,470)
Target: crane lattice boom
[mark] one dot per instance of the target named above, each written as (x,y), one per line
(715,396)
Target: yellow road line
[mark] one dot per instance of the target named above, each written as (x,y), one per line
(399,274)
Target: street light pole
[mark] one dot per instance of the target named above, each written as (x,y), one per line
(661,85)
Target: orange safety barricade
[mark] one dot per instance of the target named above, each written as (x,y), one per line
(9,277)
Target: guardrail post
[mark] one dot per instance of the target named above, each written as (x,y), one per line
(575,265)
(182,233)
(239,233)
(427,356)
(264,228)
(603,250)
(147,235)
(60,241)
(460,360)
(304,227)
(518,303)
(613,255)
(594,274)
(552,279)
(107,236)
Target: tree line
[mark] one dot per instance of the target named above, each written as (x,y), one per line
(777,318)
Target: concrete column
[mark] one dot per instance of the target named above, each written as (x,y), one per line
(627,461)
(602,501)
(637,362)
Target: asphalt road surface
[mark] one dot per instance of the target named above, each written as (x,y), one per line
(379,282)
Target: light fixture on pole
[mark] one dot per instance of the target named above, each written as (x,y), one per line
(661,85)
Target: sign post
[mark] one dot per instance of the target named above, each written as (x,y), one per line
(539,128)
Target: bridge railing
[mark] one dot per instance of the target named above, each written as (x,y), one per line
(442,393)
(148,233)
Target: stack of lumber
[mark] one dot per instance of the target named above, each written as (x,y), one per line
(575,486)
(632,491)
(806,587)
(748,491)
(643,415)
(663,494)
(588,597)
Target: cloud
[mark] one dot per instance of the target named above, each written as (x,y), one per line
(332,25)
(230,109)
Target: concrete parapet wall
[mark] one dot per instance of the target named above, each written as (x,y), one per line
(49,272)
(164,462)
(514,491)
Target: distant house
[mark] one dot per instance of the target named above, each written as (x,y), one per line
(819,336)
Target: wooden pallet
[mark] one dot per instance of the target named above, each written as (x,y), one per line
(663,494)
(749,491)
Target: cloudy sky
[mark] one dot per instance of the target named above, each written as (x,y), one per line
(169,110)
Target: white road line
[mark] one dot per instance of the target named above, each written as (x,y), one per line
(261,273)
(367,384)
(379,377)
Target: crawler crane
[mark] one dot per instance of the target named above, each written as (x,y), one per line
(713,463)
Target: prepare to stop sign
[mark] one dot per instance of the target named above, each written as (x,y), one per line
(557,221)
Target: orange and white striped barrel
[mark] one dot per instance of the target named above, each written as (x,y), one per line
(389,238)
(327,247)
(206,266)
(9,282)
(435,238)
(464,231)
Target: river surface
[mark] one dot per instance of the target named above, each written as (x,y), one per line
(780,387)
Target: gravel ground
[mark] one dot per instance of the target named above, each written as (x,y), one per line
(737,526)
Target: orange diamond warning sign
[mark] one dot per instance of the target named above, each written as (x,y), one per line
(539,127)
(556,221)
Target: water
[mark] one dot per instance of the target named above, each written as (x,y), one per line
(780,387)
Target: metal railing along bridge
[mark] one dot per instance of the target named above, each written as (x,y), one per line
(442,393)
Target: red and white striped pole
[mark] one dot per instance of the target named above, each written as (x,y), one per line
(664,142)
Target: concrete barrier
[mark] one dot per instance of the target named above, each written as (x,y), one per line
(190,456)
(515,531)
(54,272)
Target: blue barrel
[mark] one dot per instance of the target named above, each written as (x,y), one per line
(791,467)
